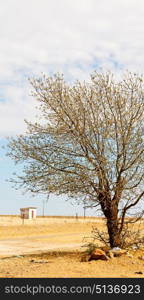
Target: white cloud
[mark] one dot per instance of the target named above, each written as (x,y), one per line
(70,36)
(13,111)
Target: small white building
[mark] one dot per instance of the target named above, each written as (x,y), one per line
(28,212)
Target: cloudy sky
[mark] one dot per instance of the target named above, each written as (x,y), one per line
(73,37)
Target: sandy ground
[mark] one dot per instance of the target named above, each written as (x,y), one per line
(43,234)
(52,247)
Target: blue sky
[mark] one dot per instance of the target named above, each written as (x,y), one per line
(73,37)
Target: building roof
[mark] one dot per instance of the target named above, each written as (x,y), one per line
(31,207)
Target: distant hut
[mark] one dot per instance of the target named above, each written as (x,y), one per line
(28,212)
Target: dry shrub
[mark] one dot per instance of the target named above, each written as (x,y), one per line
(129,238)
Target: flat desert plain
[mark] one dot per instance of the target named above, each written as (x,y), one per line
(53,247)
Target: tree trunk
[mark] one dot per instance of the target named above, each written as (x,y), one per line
(112,225)
(110,210)
(113,231)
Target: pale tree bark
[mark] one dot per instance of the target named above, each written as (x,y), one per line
(89,144)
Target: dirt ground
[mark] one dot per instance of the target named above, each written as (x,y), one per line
(52,247)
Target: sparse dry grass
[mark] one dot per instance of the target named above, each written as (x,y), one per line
(51,247)
(12,226)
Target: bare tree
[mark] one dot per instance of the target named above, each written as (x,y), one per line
(90,143)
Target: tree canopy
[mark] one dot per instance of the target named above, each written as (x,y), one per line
(88,143)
